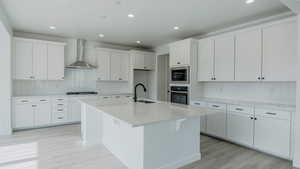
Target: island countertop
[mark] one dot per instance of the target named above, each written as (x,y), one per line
(140,114)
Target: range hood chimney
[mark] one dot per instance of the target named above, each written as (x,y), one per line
(80,63)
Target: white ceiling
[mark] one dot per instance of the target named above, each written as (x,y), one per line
(153,23)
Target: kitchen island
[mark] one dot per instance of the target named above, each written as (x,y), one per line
(144,136)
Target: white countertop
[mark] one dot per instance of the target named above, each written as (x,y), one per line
(276,106)
(140,114)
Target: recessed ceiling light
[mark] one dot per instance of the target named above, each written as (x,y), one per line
(52,27)
(131,15)
(249,1)
(138,42)
(101,35)
(176,28)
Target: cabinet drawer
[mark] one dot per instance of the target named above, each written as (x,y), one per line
(43,100)
(60,100)
(59,117)
(60,110)
(23,101)
(241,109)
(217,106)
(199,103)
(273,113)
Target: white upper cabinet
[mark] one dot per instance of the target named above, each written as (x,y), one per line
(149,60)
(125,65)
(103,69)
(263,53)
(23,53)
(113,65)
(38,60)
(224,58)
(280,51)
(56,62)
(248,55)
(180,53)
(205,60)
(143,60)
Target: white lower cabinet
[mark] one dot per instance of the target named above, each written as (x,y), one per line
(240,128)
(30,113)
(273,132)
(24,116)
(261,129)
(216,121)
(42,113)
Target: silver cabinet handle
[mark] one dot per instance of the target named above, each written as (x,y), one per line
(24,101)
(273,114)
(197,104)
(60,104)
(34,105)
(60,118)
(60,110)
(239,109)
(216,106)
(43,100)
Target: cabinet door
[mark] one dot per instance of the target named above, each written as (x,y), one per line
(40,61)
(280,52)
(248,55)
(56,62)
(240,128)
(124,71)
(115,66)
(42,113)
(119,66)
(272,135)
(216,123)
(103,70)
(224,58)
(205,60)
(24,116)
(174,54)
(74,111)
(149,59)
(138,60)
(23,59)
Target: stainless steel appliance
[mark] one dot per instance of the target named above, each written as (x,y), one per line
(80,63)
(180,75)
(180,94)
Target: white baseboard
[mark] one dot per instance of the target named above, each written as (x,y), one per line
(182,162)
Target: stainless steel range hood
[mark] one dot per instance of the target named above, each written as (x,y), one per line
(80,63)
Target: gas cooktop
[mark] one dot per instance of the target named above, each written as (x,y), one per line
(82,93)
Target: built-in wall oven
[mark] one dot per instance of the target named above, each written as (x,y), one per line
(180,94)
(180,75)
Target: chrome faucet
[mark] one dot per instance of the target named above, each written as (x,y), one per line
(135,96)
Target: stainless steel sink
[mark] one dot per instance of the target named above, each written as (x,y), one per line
(145,101)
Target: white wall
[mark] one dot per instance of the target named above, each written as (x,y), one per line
(75,80)
(5,85)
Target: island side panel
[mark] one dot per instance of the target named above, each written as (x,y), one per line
(124,141)
(91,125)
(172,144)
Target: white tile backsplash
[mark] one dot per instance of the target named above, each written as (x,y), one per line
(275,92)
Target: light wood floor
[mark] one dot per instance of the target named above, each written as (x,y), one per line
(61,148)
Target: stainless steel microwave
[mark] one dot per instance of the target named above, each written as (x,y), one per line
(180,75)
